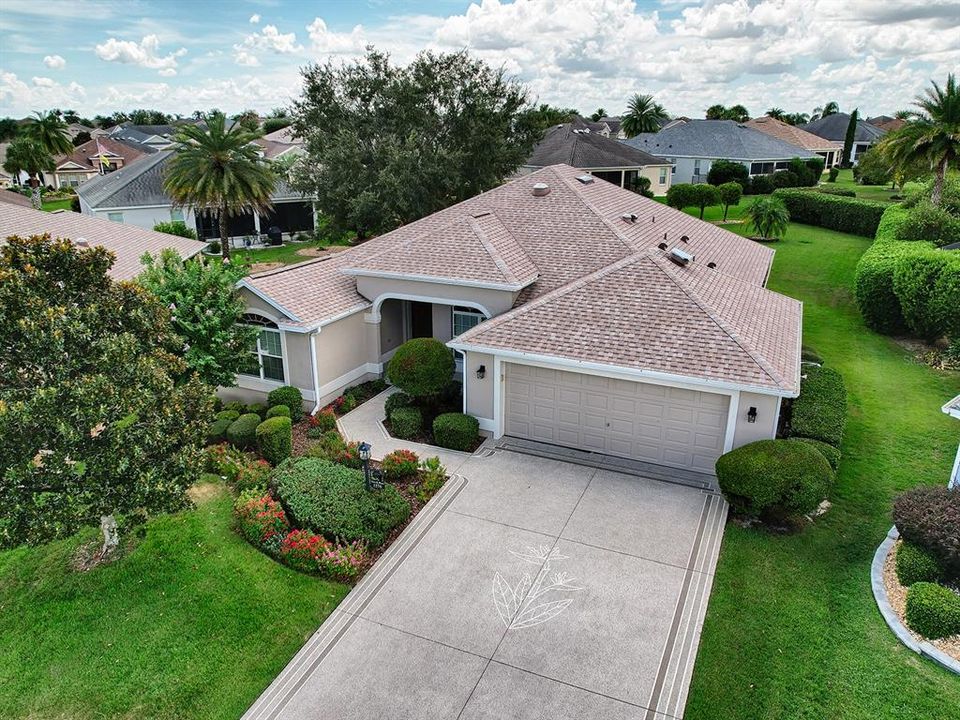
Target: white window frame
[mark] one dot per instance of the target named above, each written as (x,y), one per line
(265,324)
(468,312)
(115,217)
(176,215)
(663,176)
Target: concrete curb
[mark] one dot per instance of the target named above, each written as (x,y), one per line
(922,647)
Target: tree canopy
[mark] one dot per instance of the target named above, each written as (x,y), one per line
(387,145)
(737,113)
(643,115)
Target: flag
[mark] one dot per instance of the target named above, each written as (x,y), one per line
(104,163)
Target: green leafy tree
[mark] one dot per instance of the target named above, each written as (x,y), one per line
(932,138)
(26,155)
(148,117)
(219,171)
(723,171)
(98,421)
(388,145)
(737,113)
(796,118)
(716,112)
(681,195)
(8,129)
(176,227)
(768,216)
(705,195)
(545,116)
(641,186)
(598,114)
(874,167)
(822,111)
(249,119)
(775,113)
(849,137)
(730,194)
(81,137)
(206,311)
(643,115)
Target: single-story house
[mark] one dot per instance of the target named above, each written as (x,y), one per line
(692,146)
(952,408)
(96,157)
(134,195)
(159,137)
(834,127)
(576,145)
(829,150)
(126,242)
(887,123)
(581,315)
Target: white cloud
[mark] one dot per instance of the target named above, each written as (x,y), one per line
(54,62)
(167,72)
(43,82)
(145,53)
(269,39)
(325,41)
(244,58)
(15,93)
(254,19)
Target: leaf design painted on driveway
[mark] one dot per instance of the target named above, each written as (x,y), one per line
(540,613)
(517,606)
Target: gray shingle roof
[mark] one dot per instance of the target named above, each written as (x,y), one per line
(834,127)
(716,139)
(565,144)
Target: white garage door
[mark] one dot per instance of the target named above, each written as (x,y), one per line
(654,423)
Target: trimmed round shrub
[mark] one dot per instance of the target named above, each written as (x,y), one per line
(257,409)
(217,431)
(915,564)
(831,453)
(725,171)
(820,412)
(456,431)
(761,185)
(325,420)
(406,422)
(400,464)
(421,367)
(933,610)
(289,396)
(396,400)
(774,477)
(230,415)
(332,500)
(929,517)
(278,411)
(237,406)
(275,439)
(833,172)
(785,179)
(242,432)
(930,222)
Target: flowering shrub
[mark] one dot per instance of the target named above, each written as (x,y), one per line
(349,456)
(260,519)
(400,464)
(344,562)
(240,470)
(304,551)
(324,420)
(301,548)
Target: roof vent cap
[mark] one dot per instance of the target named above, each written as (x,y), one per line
(81,242)
(585,179)
(680,257)
(711,265)
(662,246)
(541,189)
(684,238)
(630,217)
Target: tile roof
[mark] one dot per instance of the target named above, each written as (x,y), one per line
(645,313)
(834,127)
(792,134)
(14,198)
(284,135)
(716,139)
(571,145)
(127,242)
(85,155)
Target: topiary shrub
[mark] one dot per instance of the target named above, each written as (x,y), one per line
(421,367)
(931,223)
(289,396)
(820,412)
(275,439)
(850,215)
(841,192)
(927,287)
(929,517)
(456,431)
(217,431)
(406,422)
(396,400)
(828,451)
(916,564)
(242,432)
(259,409)
(236,406)
(230,415)
(724,171)
(278,411)
(332,500)
(772,478)
(933,610)
(832,175)
(400,464)
(784,179)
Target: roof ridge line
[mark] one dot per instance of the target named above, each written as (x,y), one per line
(143,164)
(491,250)
(596,211)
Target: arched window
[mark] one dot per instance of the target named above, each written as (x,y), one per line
(266,358)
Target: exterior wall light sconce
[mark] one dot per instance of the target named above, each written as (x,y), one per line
(752,415)
(481,372)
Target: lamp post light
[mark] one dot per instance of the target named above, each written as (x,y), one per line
(373,479)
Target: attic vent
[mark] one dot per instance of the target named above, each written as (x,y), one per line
(480,215)
(662,246)
(711,265)
(680,257)
(541,189)
(629,217)
(585,179)
(684,238)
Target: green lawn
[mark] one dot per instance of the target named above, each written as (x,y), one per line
(51,205)
(286,253)
(715,212)
(792,630)
(194,623)
(845,180)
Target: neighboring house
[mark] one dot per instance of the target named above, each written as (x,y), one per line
(159,137)
(834,127)
(692,146)
(582,315)
(134,195)
(610,160)
(283,135)
(829,150)
(96,157)
(127,243)
(952,409)
(887,123)
(74,129)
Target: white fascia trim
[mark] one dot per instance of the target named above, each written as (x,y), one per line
(374,317)
(317,327)
(508,287)
(129,207)
(952,407)
(733,410)
(718,386)
(314,372)
(267,299)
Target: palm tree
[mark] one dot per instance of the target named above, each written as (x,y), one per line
(218,170)
(643,115)
(49,131)
(776,113)
(933,137)
(768,216)
(26,155)
(796,118)
(716,112)
(597,114)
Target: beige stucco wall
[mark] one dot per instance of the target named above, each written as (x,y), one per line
(766,425)
(479,392)
(255,304)
(495,301)
(342,347)
(652,173)
(391,325)
(442,322)
(299,371)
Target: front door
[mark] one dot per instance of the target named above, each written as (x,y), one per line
(421,320)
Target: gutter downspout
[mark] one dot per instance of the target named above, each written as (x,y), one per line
(313,366)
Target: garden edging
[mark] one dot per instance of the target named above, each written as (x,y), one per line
(921,647)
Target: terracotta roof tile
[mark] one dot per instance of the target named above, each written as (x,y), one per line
(792,134)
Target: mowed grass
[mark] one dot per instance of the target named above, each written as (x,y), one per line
(193,623)
(792,630)
(883,193)
(51,205)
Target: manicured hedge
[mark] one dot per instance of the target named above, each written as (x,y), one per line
(456,431)
(840,192)
(217,430)
(242,432)
(915,564)
(421,367)
(257,409)
(406,422)
(396,400)
(774,477)
(929,516)
(332,500)
(278,411)
(289,396)
(828,451)
(820,413)
(230,415)
(933,610)
(850,215)
(275,439)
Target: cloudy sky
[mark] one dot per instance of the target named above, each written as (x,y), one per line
(97,56)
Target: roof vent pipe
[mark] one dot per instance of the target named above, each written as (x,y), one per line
(541,189)
(684,238)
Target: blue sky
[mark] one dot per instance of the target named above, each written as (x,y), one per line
(97,56)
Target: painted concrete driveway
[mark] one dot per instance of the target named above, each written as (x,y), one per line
(527,588)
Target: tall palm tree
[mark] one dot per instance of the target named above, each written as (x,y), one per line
(796,118)
(776,113)
(218,170)
(49,131)
(768,216)
(597,114)
(933,137)
(26,155)
(643,115)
